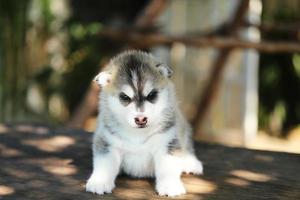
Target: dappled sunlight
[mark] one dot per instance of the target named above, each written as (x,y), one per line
(5,190)
(18,173)
(59,166)
(4,129)
(9,152)
(134,183)
(264,158)
(40,130)
(61,170)
(237,182)
(25,128)
(197,185)
(54,144)
(263,141)
(56,162)
(145,188)
(131,193)
(251,176)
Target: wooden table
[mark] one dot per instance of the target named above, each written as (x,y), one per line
(37,162)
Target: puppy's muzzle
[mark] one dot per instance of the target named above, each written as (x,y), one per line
(141,121)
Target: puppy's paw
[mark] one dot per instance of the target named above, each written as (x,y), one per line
(170,188)
(192,165)
(99,186)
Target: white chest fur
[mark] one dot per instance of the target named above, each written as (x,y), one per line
(137,153)
(138,164)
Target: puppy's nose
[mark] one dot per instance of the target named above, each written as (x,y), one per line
(141,121)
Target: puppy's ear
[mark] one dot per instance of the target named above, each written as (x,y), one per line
(103,78)
(164,70)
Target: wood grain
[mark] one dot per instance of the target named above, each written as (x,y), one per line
(39,162)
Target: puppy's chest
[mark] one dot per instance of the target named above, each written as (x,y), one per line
(139,164)
(138,155)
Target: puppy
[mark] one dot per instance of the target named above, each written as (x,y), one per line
(140,129)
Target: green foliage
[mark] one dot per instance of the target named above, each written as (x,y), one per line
(279,91)
(82,63)
(279,75)
(296,63)
(79,31)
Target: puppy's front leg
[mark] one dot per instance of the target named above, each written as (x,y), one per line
(106,168)
(168,170)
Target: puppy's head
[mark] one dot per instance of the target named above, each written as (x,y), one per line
(137,88)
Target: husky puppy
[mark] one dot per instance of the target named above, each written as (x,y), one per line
(141,130)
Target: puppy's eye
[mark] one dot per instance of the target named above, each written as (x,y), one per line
(124,98)
(152,96)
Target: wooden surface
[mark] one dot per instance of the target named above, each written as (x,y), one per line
(37,162)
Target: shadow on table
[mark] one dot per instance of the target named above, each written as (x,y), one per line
(39,162)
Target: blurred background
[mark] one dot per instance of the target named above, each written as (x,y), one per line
(236,62)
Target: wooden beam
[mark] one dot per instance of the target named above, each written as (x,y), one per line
(145,40)
(291,27)
(150,13)
(210,91)
(86,108)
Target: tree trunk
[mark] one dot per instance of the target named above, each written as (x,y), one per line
(12,59)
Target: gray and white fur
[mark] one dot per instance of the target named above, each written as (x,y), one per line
(140,129)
